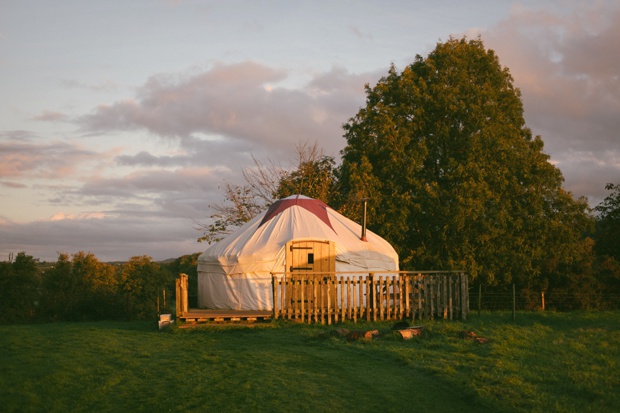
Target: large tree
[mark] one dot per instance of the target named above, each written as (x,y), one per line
(456,179)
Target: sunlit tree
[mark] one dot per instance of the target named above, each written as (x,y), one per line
(143,282)
(80,288)
(456,179)
(314,176)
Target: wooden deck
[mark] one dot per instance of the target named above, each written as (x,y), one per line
(198,316)
(315,298)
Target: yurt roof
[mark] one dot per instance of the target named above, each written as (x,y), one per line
(258,244)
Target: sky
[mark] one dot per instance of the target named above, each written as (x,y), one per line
(121,120)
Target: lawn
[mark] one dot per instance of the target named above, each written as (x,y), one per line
(542,361)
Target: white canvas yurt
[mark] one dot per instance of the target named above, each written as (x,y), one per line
(295,234)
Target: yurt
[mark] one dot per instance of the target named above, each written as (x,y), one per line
(295,234)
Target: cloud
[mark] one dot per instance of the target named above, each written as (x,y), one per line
(21,158)
(359,33)
(242,102)
(154,181)
(50,116)
(59,216)
(104,86)
(144,158)
(17,135)
(339,81)
(176,105)
(566,64)
(211,123)
(108,237)
(14,185)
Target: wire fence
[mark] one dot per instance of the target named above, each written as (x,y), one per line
(529,300)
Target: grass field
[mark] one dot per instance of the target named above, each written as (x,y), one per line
(542,362)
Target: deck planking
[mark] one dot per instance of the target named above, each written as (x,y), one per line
(196,316)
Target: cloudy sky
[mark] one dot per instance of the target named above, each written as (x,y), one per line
(120,119)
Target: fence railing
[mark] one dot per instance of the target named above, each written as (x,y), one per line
(336,296)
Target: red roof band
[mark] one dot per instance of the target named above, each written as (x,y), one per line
(318,208)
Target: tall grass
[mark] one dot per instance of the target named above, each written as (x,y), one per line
(540,362)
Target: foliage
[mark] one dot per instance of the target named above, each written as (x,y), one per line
(607,233)
(456,180)
(142,282)
(19,288)
(543,361)
(608,274)
(314,177)
(80,288)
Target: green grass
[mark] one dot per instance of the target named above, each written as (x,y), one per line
(542,362)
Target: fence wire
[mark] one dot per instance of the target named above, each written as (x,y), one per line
(530,300)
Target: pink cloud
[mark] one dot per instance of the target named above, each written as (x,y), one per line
(49,116)
(242,101)
(60,216)
(42,160)
(566,64)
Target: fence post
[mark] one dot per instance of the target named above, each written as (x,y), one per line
(302,288)
(370,299)
(348,283)
(343,300)
(380,297)
(328,281)
(420,285)
(431,291)
(275,297)
(542,299)
(181,295)
(360,297)
(324,299)
(315,298)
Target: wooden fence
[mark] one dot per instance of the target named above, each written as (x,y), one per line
(336,297)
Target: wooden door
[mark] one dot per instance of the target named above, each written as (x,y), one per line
(304,259)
